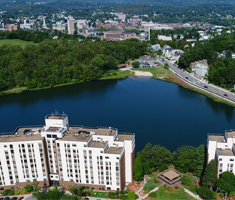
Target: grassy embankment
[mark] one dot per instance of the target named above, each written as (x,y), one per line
(16,42)
(115,74)
(171,195)
(165,74)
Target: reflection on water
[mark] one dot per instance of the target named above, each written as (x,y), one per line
(156,111)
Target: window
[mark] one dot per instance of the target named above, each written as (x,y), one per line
(220,159)
(106,157)
(231,159)
(117,158)
(221,164)
(74,145)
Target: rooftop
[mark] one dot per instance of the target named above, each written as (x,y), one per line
(171,174)
(62,116)
(231,133)
(218,138)
(97,144)
(98,130)
(122,137)
(114,150)
(225,152)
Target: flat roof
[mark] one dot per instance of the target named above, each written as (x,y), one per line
(122,137)
(20,137)
(218,138)
(97,144)
(97,130)
(72,137)
(225,152)
(231,133)
(114,150)
(171,174)
(55,116)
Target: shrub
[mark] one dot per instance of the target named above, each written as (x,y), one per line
(17,192)
(155,181)
(28,188)
(181,189)
(11,192)
(231,193)
(5,192)
(170,189)
(149,185)
(188,180)
(206,193)
(162,188)
(222,195)
(176,187)
(215,194)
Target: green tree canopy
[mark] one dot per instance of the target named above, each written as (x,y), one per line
(226,182)
(210,175)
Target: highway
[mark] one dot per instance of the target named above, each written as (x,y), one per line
(189,78)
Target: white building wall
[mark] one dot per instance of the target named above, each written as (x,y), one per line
(211,150)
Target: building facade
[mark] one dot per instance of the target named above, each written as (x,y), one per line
(70,26)
(221,148)
(98,158)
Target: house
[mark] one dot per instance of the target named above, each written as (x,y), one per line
(123,65)
(201,70)
(223,54)
(156,47)
(193,64)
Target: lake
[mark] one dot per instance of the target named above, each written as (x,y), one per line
(156,111)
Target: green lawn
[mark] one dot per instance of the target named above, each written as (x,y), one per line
(115,74)
(170,195)
(16,42)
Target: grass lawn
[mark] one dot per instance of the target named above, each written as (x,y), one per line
(171,195)
(115,74)
(16,42)
(99,194)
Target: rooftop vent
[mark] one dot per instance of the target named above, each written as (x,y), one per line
(117,139)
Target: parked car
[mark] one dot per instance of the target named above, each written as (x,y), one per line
(13,198)
(6,198)
(205,86)
(225,95)
(20,198)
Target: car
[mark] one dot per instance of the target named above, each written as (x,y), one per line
(13,198)
(6,198)
(186,77)
(225,95)
(20,198)
(205,86)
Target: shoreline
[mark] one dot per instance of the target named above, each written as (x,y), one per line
(145,73)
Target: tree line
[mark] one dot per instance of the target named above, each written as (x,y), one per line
(157,158)
(54,62)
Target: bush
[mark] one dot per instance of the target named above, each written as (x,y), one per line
(5,192)
(11,192)
(215,194)
(162,188)
(188,180)
(206,193)
(170,189)
(28,188)
(231,194)
(149,185)
(17,192)
(176,187)
(153,194)
(222,195)
(181,189)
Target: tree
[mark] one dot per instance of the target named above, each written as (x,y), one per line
(199,161)
(210,176)
(136,64)
(35,185)
(131,195)
(226,182)
(206,193)
(138,169)
(186,180)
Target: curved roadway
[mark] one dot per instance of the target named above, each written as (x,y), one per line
(189,78)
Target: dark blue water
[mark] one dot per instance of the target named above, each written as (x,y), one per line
(156,111)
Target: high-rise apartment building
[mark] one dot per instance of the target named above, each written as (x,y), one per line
(98,158)
(222,149)
(70,26)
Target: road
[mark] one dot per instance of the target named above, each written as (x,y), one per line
(192,80)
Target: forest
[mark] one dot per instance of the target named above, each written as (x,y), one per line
(54,62)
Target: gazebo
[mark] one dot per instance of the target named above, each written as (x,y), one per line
(170,177)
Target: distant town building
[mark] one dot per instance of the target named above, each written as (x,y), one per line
(164,38)
(223,54)
(81,23)
(70,26)
(156,47)
(200,67)
(128,35)
(12,27)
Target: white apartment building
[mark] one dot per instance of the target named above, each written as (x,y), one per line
(70,23)
(221,148)
(99,158)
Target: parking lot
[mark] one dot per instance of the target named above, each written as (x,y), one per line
(148,62)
